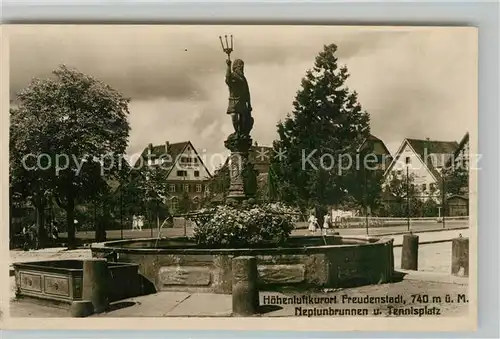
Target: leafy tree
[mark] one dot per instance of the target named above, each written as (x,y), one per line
(365,184)
(327,124)
(79,125)
(185,203)
(219,184)
(144,190)
(430,207)
(396,192)
(455,181)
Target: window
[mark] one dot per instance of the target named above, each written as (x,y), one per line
(408,160)
(198,188)
(196,174)
(174,204)
(172,187)
(424,187)
(432,186)
(187,159)
(398,172)
(207,188)
(182,173)
(186,187)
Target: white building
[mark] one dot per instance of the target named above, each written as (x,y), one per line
(186,172)
(423,160)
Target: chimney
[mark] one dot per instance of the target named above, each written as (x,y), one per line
(150,153)
(167,146)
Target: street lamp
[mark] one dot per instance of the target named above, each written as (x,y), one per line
(121,211)
(407,194)
(365,199)
(443,202)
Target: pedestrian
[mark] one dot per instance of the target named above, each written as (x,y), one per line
(327,221)
(313,223)
(33,235)
(140,222)
(55,232)
(134,223)
(26,238)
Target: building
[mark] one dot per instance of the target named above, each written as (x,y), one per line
(259,156)
(375,146)
(457,206)
(185,171)
(459,165)
(423,160)
(461,156)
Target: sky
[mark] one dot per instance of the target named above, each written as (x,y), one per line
(414,82)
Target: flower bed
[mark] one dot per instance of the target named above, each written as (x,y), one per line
(228,226)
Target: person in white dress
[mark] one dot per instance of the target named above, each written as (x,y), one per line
(326,223)
(313,223)
(134,222)
(140,222)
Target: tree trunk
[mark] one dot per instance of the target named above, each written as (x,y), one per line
(41,235)
(70,221)
(100,229)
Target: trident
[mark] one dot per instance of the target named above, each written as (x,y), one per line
(228,48)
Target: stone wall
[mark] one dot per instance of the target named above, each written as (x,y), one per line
(359,261)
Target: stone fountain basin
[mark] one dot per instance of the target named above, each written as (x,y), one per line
(178,264)
(59,282)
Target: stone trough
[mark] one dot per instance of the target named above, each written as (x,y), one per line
(60,282)
(178,264)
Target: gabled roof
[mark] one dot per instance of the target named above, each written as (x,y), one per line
(372,138)
(455,196)
(383,159)
(426,147)
(174,150)
(461,145)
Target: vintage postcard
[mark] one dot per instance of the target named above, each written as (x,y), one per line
(239,177)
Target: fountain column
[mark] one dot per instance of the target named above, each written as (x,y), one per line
(240,109)
(238,160)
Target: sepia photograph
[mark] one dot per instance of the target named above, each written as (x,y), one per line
(174,171)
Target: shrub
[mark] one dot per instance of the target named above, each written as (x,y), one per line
(226,226)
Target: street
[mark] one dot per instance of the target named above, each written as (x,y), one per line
(415,226)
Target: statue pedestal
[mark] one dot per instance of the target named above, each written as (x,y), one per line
(239,145)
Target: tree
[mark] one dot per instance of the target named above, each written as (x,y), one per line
(454,181)
(327,124)
(28,186)
(365,184)
(430,207)
(185,203)
(144,190)
(78,127)
(397,190)
(219,184)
